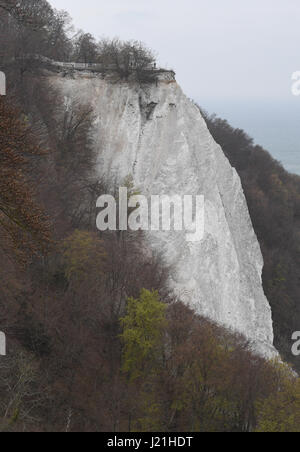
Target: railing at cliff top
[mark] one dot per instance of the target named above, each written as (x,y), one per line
(101,67)
(92,66)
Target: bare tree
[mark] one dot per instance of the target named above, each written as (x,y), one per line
(130,57)
(28,12)
(85,48)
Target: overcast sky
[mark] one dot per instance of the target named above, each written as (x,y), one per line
(220,49)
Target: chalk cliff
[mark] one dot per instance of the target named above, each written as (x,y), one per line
(157,135)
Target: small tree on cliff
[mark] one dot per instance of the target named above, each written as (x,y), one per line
(126,57)
(85,48)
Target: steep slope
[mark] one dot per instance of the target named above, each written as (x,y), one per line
(158,136)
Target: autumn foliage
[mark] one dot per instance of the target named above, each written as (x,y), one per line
(22,222)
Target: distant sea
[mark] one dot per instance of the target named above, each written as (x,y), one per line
(273,125)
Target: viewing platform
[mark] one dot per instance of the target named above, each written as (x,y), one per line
(151,71)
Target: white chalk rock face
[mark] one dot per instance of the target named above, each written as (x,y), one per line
(157,135)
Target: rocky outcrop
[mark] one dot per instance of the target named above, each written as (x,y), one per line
(157,135)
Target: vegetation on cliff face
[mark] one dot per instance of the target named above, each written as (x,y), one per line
(95,341)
